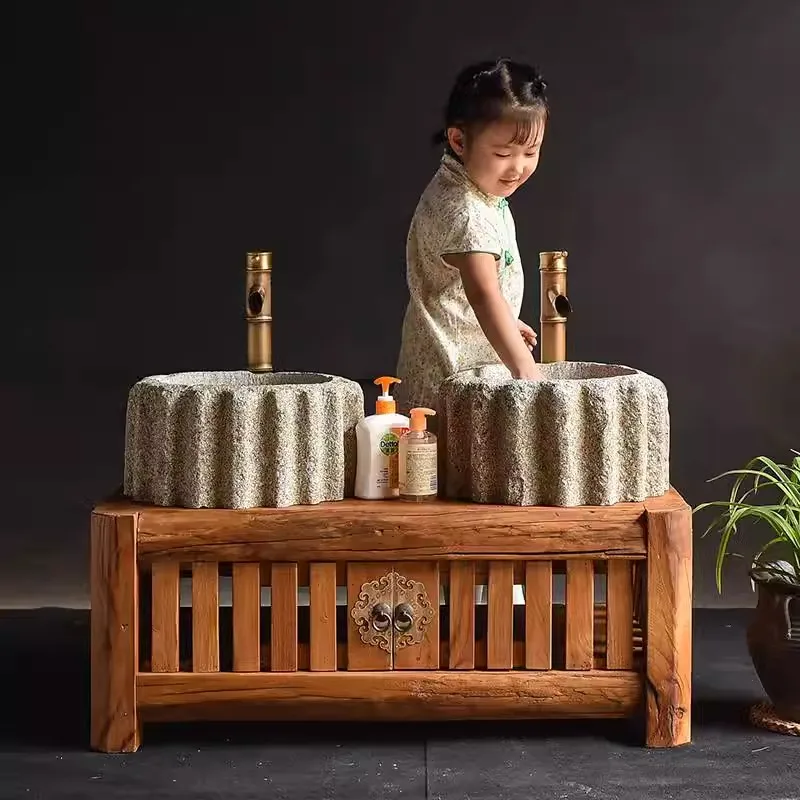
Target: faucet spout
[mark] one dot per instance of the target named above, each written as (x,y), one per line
(555,305)
(560,302)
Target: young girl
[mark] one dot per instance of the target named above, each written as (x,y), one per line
(464,272)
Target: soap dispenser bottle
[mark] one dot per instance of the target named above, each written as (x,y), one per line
(377,438)
(418,460)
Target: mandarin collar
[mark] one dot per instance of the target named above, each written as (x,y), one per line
(457,168)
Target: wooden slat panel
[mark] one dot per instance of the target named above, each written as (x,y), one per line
(619,599)
(166,604)
(361,656)
(246,617)
(461,604)
(205,617)
(283,626)
(558,567)
(424,655)
(303,658)
(500,638)
(580,615)
(599,660)
(639,571)
(304,574)
(322,589)
(538,615)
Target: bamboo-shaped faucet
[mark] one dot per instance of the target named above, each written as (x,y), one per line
(554,306)
(258,310)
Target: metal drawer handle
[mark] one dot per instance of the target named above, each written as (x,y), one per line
(403,617)
(381,617)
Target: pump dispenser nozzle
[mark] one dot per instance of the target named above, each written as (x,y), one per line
(386,403)
(419,418)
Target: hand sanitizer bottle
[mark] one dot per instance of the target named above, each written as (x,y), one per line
(377,438)
(418,459)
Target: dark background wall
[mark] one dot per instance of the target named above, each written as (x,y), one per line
(152,145)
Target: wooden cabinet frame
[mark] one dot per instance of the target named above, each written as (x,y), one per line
(453,660)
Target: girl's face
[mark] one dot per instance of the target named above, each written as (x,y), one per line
(496,164)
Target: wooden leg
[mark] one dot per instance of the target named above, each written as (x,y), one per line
(669,624)
(114,633)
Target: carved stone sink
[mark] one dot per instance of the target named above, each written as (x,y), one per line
(241,439)
(588,434)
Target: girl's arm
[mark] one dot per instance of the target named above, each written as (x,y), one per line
(479,277)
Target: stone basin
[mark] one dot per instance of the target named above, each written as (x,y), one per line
(241,439)
(588,434)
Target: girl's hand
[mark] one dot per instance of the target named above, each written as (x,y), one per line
(511,339)
(528,334)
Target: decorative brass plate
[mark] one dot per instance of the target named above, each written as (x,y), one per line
(413,612)
(392,609)
(372,613)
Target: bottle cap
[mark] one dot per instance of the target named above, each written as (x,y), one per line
(386,403)
(419,418)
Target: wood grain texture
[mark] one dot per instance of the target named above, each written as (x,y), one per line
(246,617)
(461,604)
(619,632)
(424,655)
(500,625)
(389,531)
(166,605)
(114,634)
(205,617)
(669,626)
(366,541)
(639,581)
(322,590)
(538,615)
(558,567)
(580,615)
(362,656)
(402,695)
(304,660)
(283,625)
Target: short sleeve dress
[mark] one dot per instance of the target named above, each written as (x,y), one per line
(441,334)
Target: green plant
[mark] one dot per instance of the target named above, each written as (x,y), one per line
(782,516)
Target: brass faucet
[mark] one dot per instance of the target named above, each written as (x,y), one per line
(258,311)
(554,306)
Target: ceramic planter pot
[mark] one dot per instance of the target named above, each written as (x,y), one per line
(773,639)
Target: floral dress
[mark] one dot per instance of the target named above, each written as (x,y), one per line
(441,334)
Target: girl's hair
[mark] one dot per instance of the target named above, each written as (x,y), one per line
(494,90)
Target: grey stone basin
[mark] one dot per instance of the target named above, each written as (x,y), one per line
(588,434)
(241,439)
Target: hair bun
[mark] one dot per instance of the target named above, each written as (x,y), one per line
(532,75)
